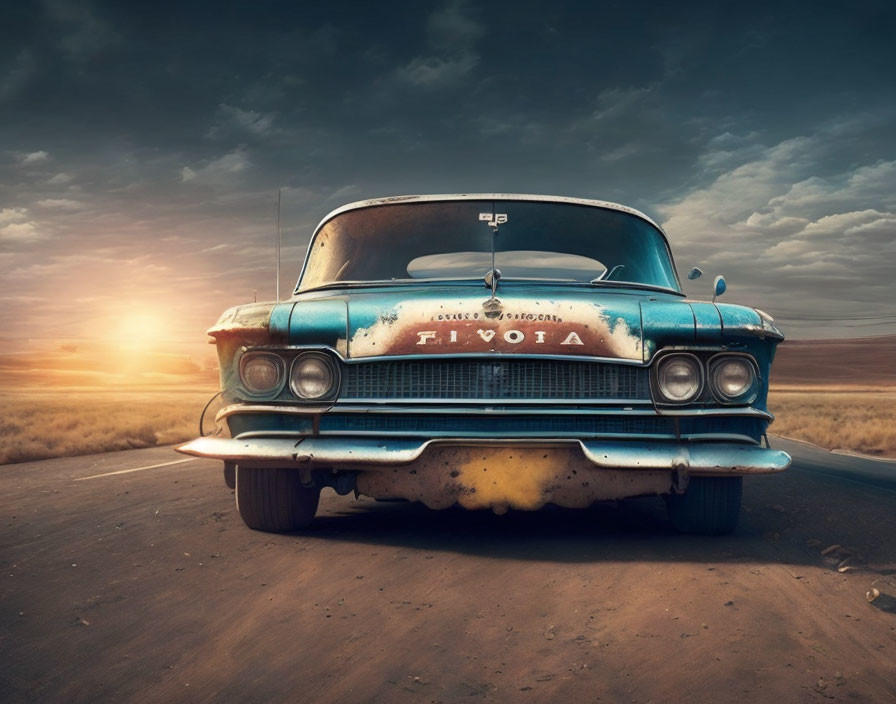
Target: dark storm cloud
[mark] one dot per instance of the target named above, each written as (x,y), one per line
(145,141)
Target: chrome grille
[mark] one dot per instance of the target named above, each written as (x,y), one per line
(487,379)
(543,425)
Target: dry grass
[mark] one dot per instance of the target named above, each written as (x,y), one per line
(858,421)
(65,422)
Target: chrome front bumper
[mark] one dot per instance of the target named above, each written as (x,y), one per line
(359,453)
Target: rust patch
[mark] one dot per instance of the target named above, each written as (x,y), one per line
(535,327)
(250,323)
(508,477)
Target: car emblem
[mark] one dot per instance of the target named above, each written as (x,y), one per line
(492,307)
(493,219)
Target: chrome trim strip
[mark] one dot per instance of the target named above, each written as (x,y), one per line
(715,437)
(237,408)
(442,197)
(726,411)
(500,401)
(252,434)
(693,437)
(563,435)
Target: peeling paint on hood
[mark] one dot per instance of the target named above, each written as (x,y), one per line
(461,322)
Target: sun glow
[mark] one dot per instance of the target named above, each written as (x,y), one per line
(144,330)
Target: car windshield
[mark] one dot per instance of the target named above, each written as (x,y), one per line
(454,240)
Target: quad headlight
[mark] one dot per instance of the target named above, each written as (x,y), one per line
(261,373)
(314,376)
(733,379)
(678,378)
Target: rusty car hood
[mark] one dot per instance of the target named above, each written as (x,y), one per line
(458,321)
(624,324)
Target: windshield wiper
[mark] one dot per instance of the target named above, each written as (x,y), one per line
(607,273)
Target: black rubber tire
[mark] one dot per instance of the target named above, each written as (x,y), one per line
(274,500)
(711,505)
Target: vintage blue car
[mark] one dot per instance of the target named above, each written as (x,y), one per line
(494,351)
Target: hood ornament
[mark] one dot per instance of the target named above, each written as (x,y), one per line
(492,306)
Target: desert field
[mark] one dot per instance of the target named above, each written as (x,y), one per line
(41,424)
(856,421)
(62,422)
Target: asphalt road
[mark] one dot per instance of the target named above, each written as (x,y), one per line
(145,586)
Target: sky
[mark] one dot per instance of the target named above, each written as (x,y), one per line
(142,145)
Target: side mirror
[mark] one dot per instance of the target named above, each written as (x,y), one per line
(719,287)
(695,273)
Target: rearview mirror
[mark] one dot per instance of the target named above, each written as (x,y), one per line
(695,273)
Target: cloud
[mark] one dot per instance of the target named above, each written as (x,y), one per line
(60,204)
(727,150)
(219,171)
(84,33)
(625,126)
(234,119)
(33,158)
(787,230)
(60,179)
(17,75)
(8,215)
(614,102)
(452,26)
(623,152)
(20,232)
(452,35)
(429,71)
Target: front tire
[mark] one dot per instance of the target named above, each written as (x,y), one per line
(274,500)
(711,505)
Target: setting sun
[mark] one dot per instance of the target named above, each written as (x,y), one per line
(142,329)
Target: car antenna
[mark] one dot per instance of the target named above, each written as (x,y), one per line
(278,245)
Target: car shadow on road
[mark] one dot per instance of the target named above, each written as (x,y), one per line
(783,522)
(630,530)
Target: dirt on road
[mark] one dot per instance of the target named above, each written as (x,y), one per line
(146,586)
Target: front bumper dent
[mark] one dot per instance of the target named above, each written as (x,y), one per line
(359,454)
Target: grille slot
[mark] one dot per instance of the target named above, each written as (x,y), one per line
(435,425)
(487,379)
(500,425)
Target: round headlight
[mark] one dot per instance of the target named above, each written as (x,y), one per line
(260,372)
(678,378)
(732,378)
(313,377)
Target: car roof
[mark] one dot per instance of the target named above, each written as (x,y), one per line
(392,200)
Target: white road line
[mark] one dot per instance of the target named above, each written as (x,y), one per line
(137,469)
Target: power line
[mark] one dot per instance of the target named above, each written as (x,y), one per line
(798,316)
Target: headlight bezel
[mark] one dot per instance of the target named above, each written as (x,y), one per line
(743,399)
(329,363)
(665,358)
(254,392)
